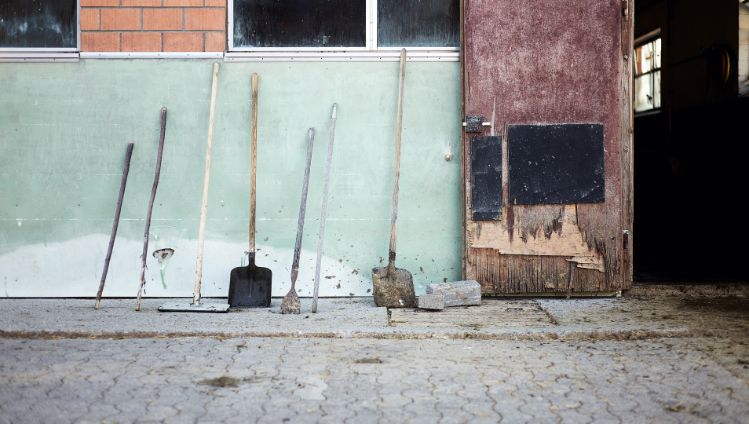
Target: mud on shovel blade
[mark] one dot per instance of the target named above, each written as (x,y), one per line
(250,286)
(394,287)
(196,305)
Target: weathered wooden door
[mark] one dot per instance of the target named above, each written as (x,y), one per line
(547,139)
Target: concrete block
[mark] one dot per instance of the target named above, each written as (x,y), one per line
(433,302)
(458,293)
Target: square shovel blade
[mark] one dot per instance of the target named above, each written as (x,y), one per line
(250,287)
(393,289)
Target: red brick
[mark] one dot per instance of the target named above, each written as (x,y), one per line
(100,41)
(89,19)
(215,41)
(120,19)
(146,3)
(183,41)
(162,19)
(141,41)
(85,3)
(205,19)
(217,3)
(191,3)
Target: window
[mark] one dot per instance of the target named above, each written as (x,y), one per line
(648,76)
(39,24)
(344,24)
(419,23)
(300,23)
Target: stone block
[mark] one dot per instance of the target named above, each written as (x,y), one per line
(432,302)
(458,293)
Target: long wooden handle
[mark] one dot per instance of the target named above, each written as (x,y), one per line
(253,166)
(302,209)
(398,132)
(206,180)
(144,255)
(116,224)
(324,208)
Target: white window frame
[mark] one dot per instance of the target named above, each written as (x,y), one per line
(46,54)
(639,41)
(370,52)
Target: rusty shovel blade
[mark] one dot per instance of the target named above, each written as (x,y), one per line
(394,288)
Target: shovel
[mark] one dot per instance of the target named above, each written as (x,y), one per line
(394,287)
(250,286)
(291,304)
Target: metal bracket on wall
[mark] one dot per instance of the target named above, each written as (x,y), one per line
(475,123)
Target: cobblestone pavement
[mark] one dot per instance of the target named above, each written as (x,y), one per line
(667,359)
(366,380)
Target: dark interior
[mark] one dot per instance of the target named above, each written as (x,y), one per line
(690,155)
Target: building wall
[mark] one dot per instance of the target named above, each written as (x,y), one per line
(153,25)
(65,127)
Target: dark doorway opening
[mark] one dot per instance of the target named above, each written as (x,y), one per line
(691,172)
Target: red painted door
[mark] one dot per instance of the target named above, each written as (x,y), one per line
(546,142)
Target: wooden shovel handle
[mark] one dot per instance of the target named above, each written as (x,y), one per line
(253,166)
(206,180)
(398,133)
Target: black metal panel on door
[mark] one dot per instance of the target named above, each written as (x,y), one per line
(555,164)
(486,178)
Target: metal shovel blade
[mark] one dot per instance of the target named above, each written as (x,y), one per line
(250,286)
(393,289)
(191,307)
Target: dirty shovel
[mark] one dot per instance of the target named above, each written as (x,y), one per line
(250,286)
(394,287)
(291,304)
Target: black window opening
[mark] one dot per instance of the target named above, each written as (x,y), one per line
(39,24)
(419,23)
(300,23)
(345,24)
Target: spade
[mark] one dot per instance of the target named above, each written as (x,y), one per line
(250,286)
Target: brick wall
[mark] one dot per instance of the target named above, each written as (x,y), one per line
(153,25)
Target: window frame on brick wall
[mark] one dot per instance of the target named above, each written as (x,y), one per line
(46,54)
(369,52)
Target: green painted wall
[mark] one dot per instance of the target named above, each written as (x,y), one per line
(63,132)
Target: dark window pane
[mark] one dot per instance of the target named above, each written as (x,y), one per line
(38,23)
(418,23)
(300,23)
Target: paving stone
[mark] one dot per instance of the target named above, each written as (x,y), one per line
(432,302)
(361,377)
(458,293)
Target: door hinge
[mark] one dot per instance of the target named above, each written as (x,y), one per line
(625,9)
(625,239)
